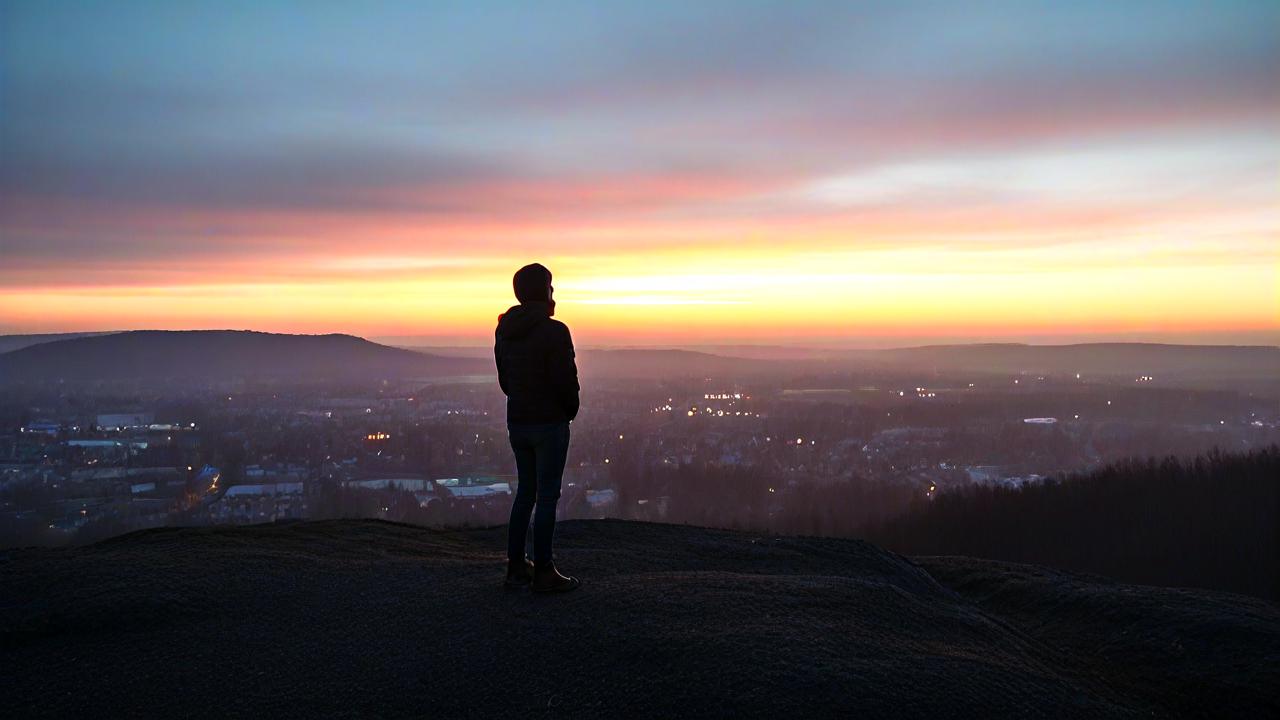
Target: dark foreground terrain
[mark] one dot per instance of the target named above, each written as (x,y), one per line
(365,618)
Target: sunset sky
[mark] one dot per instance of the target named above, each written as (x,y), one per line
(846,173)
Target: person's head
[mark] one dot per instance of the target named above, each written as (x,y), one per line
(532,283)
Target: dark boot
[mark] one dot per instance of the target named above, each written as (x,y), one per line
(519,572)
(547,579)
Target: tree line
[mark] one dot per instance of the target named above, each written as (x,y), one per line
(1210,521)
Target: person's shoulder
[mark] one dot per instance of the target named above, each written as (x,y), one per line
(558,328)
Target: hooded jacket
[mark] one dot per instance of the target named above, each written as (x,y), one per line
(536,368)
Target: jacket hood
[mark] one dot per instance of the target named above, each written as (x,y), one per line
(519,320)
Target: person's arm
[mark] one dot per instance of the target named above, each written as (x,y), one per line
(497,360)
(564,371)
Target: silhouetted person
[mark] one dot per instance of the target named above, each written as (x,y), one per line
(537,373)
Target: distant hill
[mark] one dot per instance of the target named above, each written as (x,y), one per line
(1169,364)
(9,343)
(637,362)
(1088,359)
(468,351)
(221,354)
(768,352)
(1207,365)
(374,619)
(214,354)
(667,363)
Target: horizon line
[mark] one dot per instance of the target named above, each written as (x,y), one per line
(398,341)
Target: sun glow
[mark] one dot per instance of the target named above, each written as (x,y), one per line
(704,293)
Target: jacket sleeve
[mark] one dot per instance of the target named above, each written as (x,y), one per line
(564,371)
(497,360)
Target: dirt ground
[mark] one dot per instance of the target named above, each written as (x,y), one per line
(374,619)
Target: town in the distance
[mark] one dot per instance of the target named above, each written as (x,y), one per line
(106,434)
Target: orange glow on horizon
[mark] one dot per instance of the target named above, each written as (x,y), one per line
(811,269)
(702,295)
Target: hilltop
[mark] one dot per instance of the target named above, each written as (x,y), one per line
(370,618)
(219,355)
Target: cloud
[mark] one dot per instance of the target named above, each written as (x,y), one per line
(260,109)
(155,144)
(1135,170)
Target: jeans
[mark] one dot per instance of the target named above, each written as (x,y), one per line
(540,456)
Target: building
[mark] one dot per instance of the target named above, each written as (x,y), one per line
(284,488)
(125,421)
(472,488)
